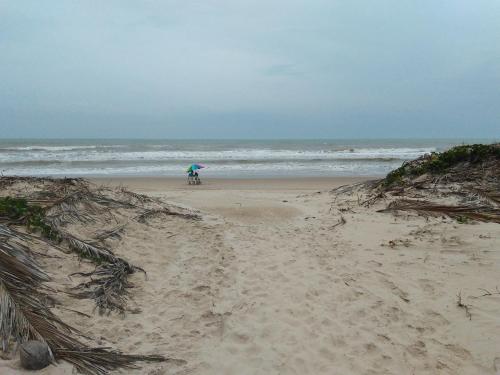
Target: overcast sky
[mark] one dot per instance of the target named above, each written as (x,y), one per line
(256,68)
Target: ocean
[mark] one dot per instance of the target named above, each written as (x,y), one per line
(223,158)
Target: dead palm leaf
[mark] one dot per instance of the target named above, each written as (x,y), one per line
(24,314)
(480,213)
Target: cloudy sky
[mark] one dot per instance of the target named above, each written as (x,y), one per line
(256,69)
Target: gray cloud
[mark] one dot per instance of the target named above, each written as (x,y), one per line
(250,69)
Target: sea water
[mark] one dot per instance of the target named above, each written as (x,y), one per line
(223,158)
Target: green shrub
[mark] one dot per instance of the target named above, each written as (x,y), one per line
(13,208)
(440,162)
(31,215)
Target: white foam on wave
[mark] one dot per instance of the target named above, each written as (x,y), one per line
(222,158)
(92,154)
(254,169)
(47,148)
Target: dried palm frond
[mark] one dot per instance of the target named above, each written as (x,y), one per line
(347,189)
(109,280)
(82,203)
(99,361)
(25,306)
(101,198)
(88,250)
(94,252)
(25,315)
(373,199)
(7,233)
(108,290)
(64,212)
(140,198)
(492,195)
(7,181)
(165,211)
(107,287)
(83,197)
(113,232)
(480,213)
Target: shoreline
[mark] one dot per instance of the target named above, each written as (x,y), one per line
(156,184)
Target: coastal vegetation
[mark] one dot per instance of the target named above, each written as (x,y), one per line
(438,163)
(462,182)
(33,216)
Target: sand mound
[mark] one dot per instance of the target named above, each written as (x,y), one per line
(463,182)
(40,217)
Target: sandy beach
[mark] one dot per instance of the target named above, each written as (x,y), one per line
(270,284)
(282,276)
